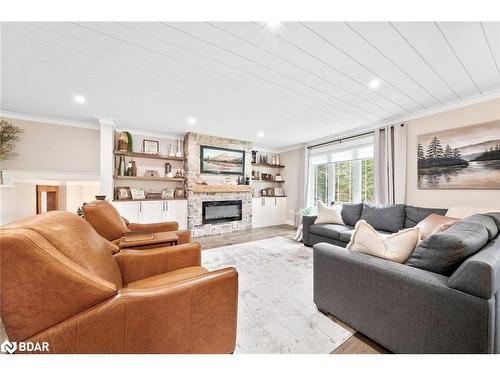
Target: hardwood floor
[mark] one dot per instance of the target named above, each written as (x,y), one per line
(357,344)
(219,240)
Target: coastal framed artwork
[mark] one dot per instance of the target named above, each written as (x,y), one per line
(460,158)
(222,160)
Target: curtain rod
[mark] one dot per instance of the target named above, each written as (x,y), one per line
(340,140)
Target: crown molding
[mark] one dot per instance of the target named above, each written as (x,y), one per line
(412,116)
(149,133)
(48,120)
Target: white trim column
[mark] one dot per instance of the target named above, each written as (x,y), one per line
(107,158)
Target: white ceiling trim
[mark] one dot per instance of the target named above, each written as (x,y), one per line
(48,120)
(428,112)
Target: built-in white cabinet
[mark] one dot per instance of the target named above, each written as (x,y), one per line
(267,211)
(147,212)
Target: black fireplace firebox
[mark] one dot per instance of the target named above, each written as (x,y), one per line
(221,211)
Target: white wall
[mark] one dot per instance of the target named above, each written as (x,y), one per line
(473,114)
(55,148)
(294,168)
(50,154)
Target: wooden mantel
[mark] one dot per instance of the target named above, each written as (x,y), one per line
(221,188)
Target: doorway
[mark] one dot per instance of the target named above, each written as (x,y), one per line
(47,198)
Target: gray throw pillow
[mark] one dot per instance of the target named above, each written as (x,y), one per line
(351,213)
(415,215)
(443,252)
(487,221)
(389,217)
(495,216)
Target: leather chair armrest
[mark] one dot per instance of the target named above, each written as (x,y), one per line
(139,264)
(168,226)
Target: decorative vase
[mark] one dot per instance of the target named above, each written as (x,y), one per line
(129,169)
(134,168)
(178,154)
(121,166)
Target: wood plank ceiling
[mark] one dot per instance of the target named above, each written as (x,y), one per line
(295,83)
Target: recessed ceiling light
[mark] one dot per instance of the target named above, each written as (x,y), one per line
(374,83)
(260,134)
(191,120)
(273,25)
(79,99)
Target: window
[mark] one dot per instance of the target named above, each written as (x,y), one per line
(342,172)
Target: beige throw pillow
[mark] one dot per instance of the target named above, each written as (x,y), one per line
(329,215)
(434,224)
(396,247)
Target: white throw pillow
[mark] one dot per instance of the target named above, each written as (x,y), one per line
(396,247)
(329,215)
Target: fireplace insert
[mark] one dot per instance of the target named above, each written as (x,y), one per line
(221,211)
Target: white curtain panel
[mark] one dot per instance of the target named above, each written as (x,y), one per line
(390,164)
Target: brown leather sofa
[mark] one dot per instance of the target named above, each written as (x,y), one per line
(108,222)
(63,283)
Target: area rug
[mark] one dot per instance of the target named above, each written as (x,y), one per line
(276,313)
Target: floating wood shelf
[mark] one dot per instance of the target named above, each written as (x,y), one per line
(267,165)
(279,182)
(149,200)
(146,156)
(221,188)
(178,179)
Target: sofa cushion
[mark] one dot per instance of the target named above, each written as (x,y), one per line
(346,235)
(415,215)
(487,221)
(351,213)
(396,247)
(443,252)
(329,230)
(389,217)
(434,224)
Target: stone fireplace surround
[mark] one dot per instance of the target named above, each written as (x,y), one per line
(192,143)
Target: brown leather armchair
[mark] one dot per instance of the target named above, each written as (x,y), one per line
(62,283)
(107,221)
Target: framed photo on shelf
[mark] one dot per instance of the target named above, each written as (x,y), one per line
(279,192)
(138,194)
(150,147)
(179,192)
(167,194)
(122,192)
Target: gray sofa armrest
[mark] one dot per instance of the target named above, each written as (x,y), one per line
(480,274)
(307,221)
(405,309)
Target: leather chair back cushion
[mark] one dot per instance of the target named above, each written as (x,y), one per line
(105,219)
(77,240)
(40,286)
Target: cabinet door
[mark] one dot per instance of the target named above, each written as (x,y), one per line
(129,210)
(176,211)
(280,210)
(151,212)
(258,208)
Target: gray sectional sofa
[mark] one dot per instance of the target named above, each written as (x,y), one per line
(408,309)
(385,219)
